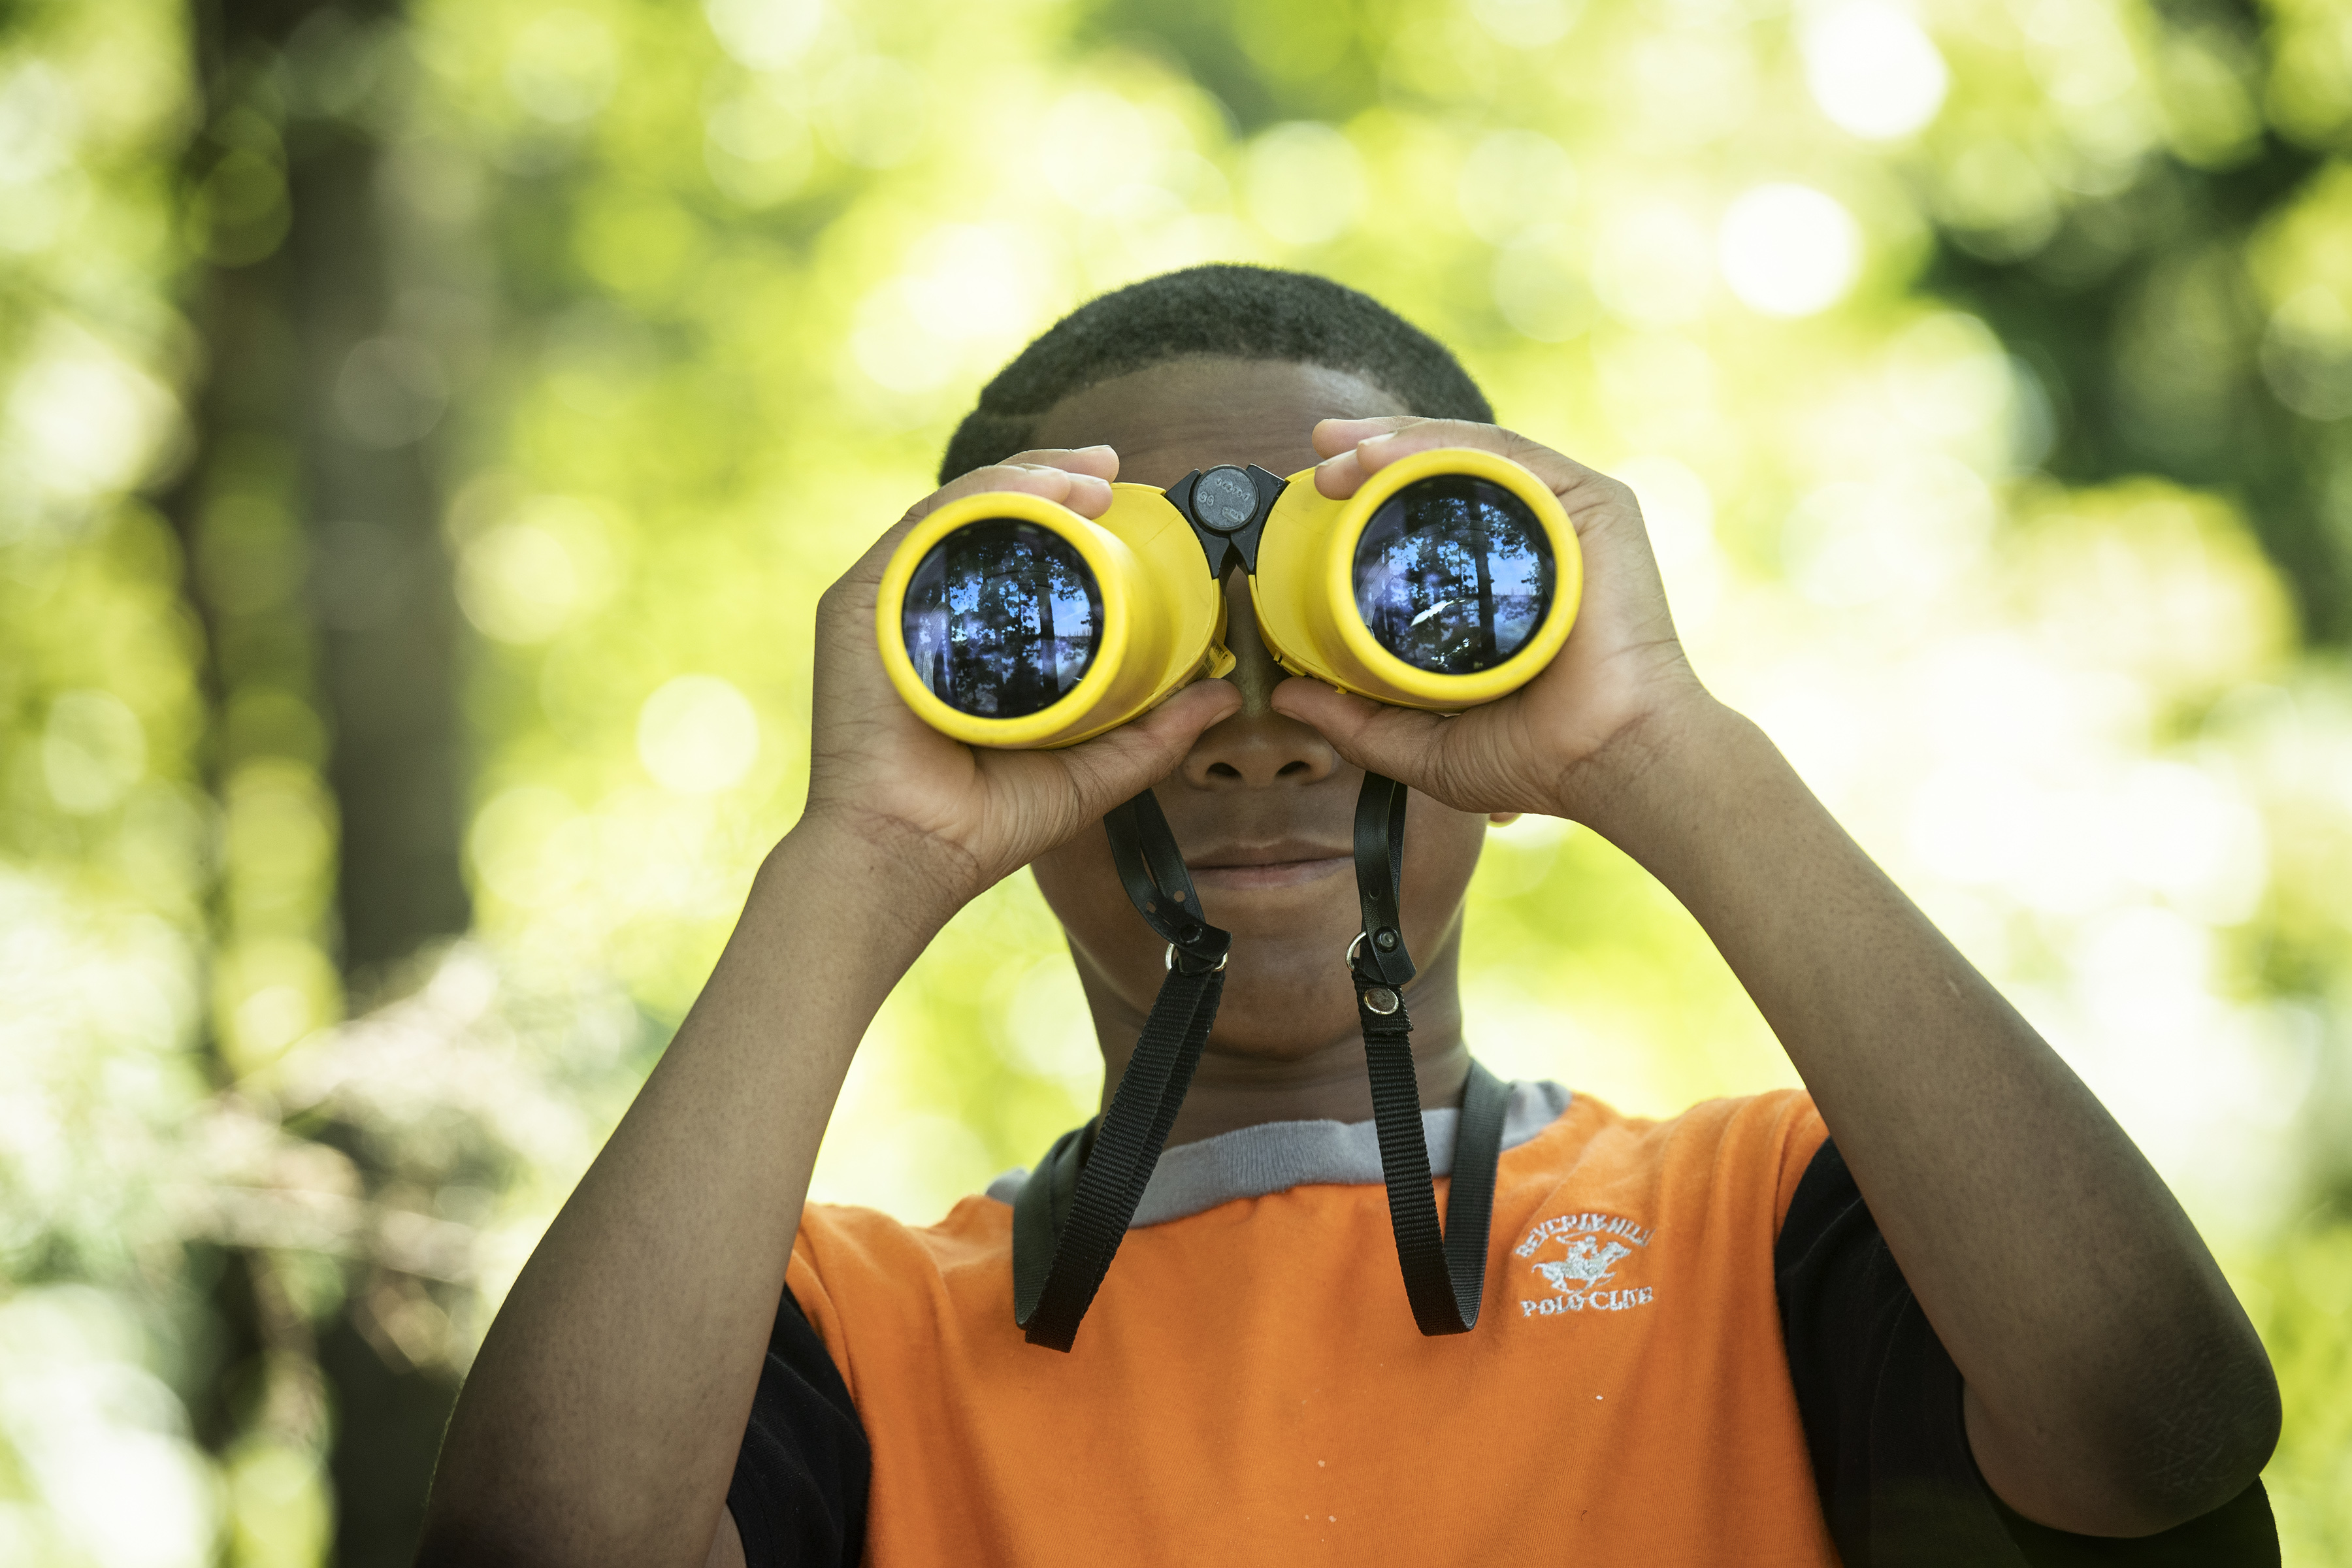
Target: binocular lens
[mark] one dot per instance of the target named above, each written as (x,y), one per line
(1002,618)
(1453,574)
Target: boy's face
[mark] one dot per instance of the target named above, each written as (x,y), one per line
(1263,809)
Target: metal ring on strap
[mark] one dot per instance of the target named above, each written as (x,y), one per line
(1170,961)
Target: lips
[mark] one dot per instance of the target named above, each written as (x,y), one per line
(1281,864)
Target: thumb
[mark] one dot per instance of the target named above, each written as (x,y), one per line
(1401,742)
(1130,759)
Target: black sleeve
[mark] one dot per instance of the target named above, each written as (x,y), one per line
(799,1492)
(1881,1405)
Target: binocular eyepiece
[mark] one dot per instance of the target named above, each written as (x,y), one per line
(1450,578)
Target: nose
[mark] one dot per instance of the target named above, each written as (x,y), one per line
(1256,748)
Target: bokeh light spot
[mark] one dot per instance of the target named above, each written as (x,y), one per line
(1304,183)
(1872,70)
(2307,354)
(697,735)
(1089,144)
(872,110)
(1789,251)
(40,122)
(1948,374)
(529,847)
(93,749)
(1653,266)
(96,420)
(892,348)
(758,148)
(1514,179)
(765,34)
(1538,286)
(391,392)
(977,281)
(563,65)
(1680,514)
(1904,535)
(1526,24)
(517,583)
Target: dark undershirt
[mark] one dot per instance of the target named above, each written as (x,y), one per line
(1879,1398)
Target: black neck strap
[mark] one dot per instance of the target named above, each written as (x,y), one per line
(1445,1270)
(1063,1242)
(1379,881)
(1074,1210)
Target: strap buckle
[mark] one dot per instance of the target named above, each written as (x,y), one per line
(1191,958)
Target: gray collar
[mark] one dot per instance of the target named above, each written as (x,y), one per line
(1275,1156)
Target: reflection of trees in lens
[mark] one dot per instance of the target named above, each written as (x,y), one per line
(1002,618)
(1453,574)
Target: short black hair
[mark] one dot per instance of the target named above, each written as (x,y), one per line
(1245,312)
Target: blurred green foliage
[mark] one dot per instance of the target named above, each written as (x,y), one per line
(1985,371)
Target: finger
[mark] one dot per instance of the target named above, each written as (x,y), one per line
(1091,471)
(1379,442)
(1338,474)
(1129,760)
(1572,482)
(1079,489)
(1099,461)
(1089,495)
(1333,436)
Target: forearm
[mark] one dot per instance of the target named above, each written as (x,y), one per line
(600,1421)
(2115,1385)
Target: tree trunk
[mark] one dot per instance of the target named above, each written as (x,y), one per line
(380,576)
(316,569)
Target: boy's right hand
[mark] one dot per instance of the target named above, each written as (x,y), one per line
(961,817)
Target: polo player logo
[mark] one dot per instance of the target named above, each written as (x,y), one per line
(1596,1243)
(1586,1265)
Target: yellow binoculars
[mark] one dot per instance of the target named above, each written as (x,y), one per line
(1450,578)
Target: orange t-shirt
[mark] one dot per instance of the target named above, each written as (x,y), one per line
(1249,1386)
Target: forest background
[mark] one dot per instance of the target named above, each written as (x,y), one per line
(425,430)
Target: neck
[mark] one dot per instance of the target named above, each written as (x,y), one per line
(1243,1080)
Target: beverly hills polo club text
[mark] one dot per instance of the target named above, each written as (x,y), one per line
(1595,1244)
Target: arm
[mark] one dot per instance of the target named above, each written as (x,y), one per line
(602,1418)
(2114,1385)
(601,1422)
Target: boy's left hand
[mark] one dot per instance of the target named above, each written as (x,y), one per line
(1563,743)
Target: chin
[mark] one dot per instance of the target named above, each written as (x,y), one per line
(1284,1001)
(1304,941)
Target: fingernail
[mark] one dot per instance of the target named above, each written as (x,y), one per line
(1097,446)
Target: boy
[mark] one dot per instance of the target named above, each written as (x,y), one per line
(1699,1343)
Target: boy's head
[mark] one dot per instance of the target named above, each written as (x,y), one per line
(1236,364)
(1221,312)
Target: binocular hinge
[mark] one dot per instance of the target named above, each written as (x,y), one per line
(1227,537)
